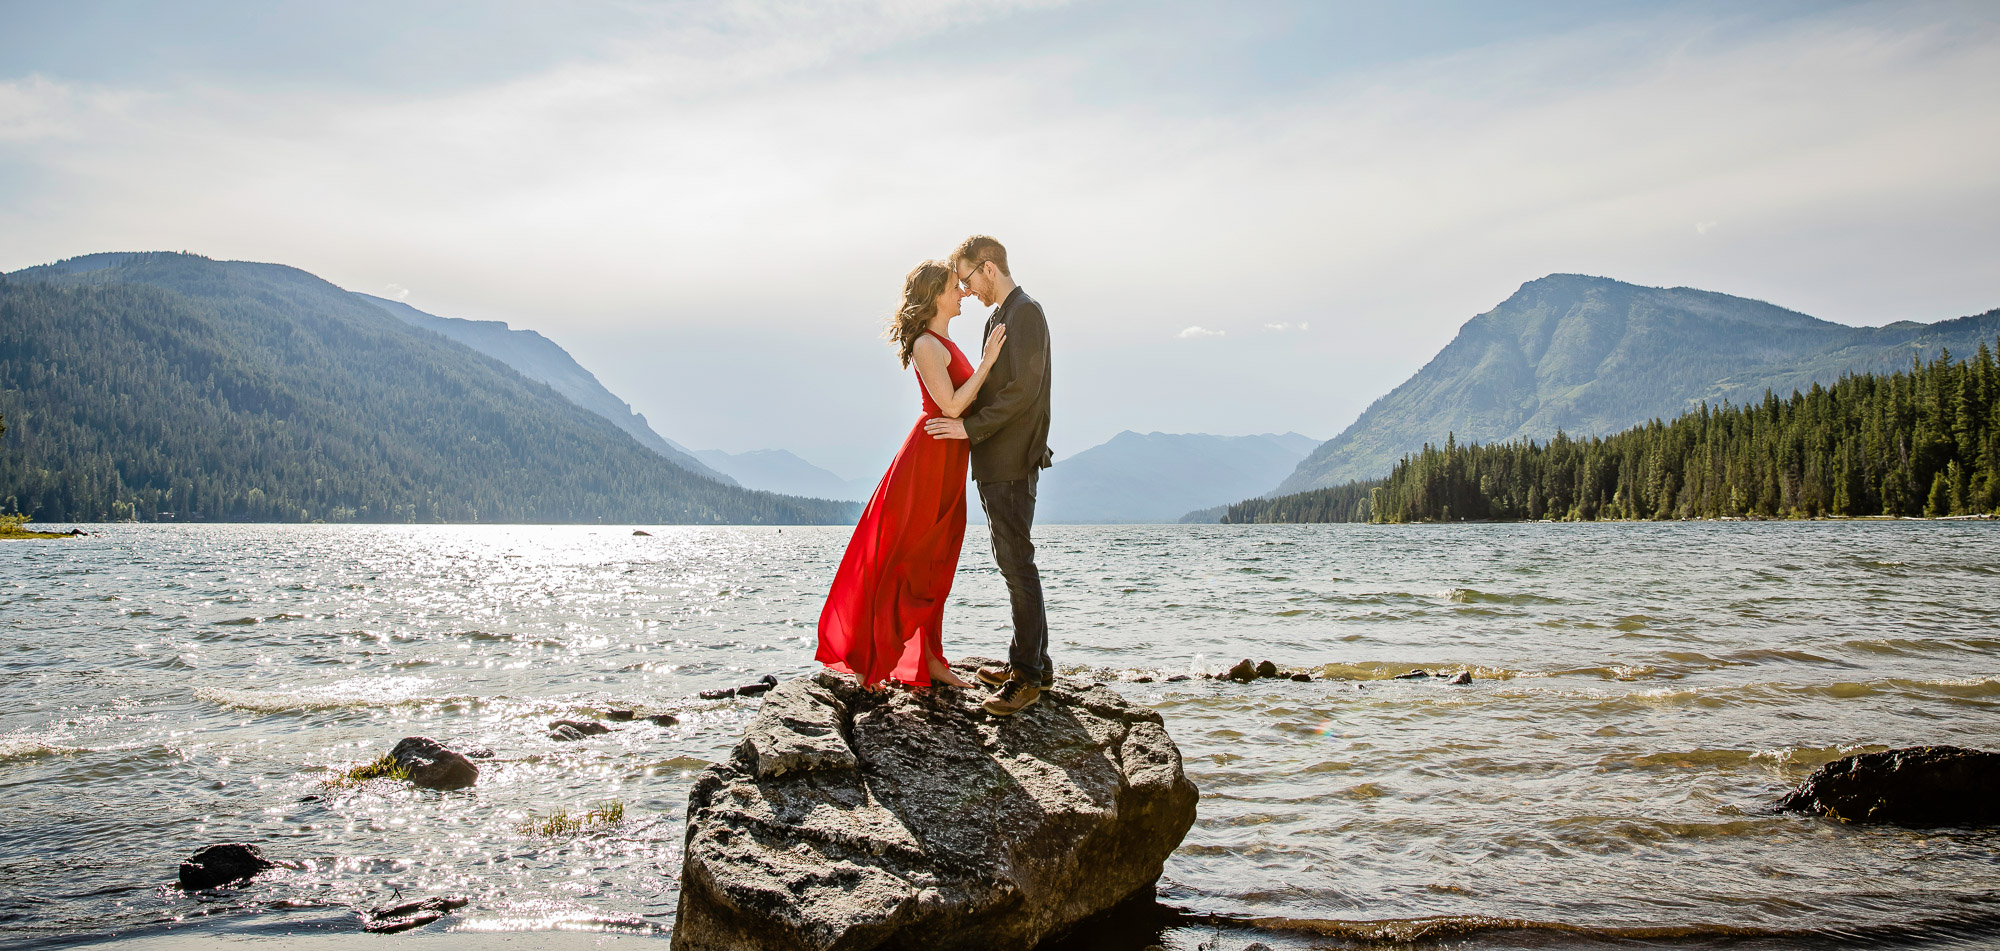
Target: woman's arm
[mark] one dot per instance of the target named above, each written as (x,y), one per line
(933,362)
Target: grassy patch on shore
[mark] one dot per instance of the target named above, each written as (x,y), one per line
(561,822)
(13,526)
(383,768)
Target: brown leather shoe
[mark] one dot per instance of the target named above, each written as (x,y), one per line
(1013,696)
(998,676)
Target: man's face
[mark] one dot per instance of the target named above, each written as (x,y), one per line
(978,280)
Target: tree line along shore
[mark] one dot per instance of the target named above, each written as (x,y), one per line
(1918,443)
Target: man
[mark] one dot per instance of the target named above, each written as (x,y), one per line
(1008,425)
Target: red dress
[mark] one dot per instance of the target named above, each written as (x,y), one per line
(886,609)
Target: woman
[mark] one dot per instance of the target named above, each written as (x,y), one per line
(884,617)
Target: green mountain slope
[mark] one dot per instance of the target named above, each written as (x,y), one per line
(538,358)
(172,386)
(1592,356)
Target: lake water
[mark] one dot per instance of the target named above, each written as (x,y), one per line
(1643,693)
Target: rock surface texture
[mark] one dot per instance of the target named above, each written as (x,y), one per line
(847,819)
(433,766)
(1914,786)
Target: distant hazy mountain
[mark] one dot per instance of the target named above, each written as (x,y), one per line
(1593,356)
(171,386)
(539,358)
(1158,477)
(775,470)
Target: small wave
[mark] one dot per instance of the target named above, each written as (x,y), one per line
(21,750)
(1404,931)
(1474,596)
(1392,670)
(244,621)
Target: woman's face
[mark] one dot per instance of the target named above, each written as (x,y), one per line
(947,302)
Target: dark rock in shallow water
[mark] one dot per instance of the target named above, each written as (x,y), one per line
(1914,786)
(1177,678)
(222,864)
(1414,674)
(639,532)
(855,820)
(664,719)
(566,734)
(413,914)
(761,686)
(432,766)
(1243,672)
(1463,677)
(1302,677)
(619,716)
(584,727)
(1267,669)
(478,752)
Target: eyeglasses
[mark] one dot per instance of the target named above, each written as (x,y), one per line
(966,281)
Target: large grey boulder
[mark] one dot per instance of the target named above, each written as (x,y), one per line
(853,820)
(1913,786)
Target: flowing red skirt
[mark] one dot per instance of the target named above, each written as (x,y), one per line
(886,609)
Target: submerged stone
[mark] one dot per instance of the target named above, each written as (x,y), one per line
(222,864)
(853,819)
(1243,672)
(1915,786)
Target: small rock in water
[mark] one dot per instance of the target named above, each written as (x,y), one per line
(571,730)
(1142,680)
(585,727)
(1243,672)
(432,766)
(1267,669)
(619,715)
(1414,674)
(664,719)
(1923,786)
(1177,678)
(414,914)
(751,690)
(1303,677)
(1463,677)
(638,532)
(478,752)
(721,694)
(222,864)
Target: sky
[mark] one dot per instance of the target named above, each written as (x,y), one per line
(1239,218)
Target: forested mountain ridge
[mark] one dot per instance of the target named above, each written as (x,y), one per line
(172,386)
(540,359)
(1925,441)
(1591,356)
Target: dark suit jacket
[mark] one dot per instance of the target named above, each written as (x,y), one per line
(1009,422)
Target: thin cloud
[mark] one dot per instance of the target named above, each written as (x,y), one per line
(1193,332)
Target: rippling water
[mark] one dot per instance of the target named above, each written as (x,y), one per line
(1643,694)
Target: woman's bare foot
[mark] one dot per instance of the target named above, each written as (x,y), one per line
(940,674)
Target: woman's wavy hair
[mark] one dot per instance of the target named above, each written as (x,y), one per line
(921,288)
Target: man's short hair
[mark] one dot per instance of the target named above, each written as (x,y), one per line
(979,249)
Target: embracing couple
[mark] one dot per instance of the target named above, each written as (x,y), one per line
(884,618)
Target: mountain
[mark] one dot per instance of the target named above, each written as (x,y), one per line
(538,358)
(162,385)
(1158,477)
(1592,356)
(775,470)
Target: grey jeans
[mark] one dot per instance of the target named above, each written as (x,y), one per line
(1010,516)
